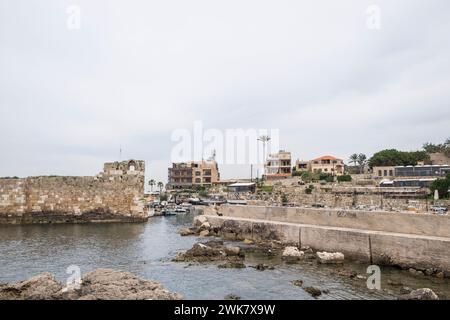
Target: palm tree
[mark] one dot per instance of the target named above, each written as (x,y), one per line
(353,159)
(362,159)
(151,183)
(160,186)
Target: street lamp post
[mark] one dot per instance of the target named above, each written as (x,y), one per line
(264,139)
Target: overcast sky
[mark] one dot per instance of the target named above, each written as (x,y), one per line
(137,70)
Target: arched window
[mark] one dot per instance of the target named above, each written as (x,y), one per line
(131,166)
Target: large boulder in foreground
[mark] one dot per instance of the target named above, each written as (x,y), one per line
(107,284)
(101,284)
(41,287)
(421,294)
(330,257)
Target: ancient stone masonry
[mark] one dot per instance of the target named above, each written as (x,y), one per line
(392,199)
(114,195)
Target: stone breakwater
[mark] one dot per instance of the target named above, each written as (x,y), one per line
(114,195)
(101,284)
(424,247)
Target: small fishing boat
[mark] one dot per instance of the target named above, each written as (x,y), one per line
(171,211)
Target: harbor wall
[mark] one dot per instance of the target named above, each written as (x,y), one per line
(106,197)
(401,239)
(399,222)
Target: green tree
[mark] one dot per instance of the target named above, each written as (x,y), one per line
(447,147)
(344,178)
(435,148)
(353,159)
(442,186)
(151,183)
(393,157)
(160,186)
(432,148)
(362,160)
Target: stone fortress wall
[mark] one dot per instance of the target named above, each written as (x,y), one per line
(114,195)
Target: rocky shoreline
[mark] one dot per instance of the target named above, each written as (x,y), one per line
(100,284)
(226,256)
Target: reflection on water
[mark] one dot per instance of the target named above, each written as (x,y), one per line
(146,249)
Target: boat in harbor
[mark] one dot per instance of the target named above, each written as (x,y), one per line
(171,211)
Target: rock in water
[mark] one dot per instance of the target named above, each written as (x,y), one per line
(313,291)
(232,264)
(204,233)
(199,220)
(292,254)
(405,290)
(101,284)
(298,283)
(186,232)
(330,257)
(205,226)
(421,294)
(232,251)
(209,251)
(262,267)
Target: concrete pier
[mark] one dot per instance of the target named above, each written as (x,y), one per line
(409,240)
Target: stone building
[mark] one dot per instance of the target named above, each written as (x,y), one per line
(384,171)
(193,174)
(278,166)
(328,164)
(302,166)
(439,159)
(114,195)
(130,167)
(411,171)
